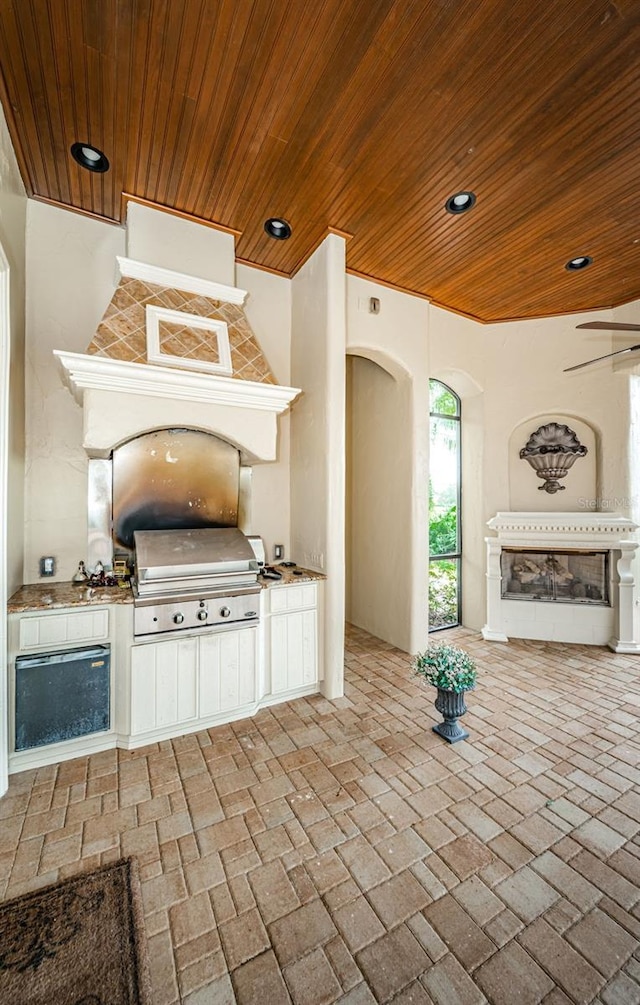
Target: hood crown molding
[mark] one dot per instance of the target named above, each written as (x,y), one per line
(131,269)
(101,373)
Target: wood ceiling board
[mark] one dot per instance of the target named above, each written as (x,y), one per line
(355,116)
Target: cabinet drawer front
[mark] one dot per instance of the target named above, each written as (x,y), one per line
(59,629)
(293,598)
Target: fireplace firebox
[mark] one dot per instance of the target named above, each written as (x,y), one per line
(570,577)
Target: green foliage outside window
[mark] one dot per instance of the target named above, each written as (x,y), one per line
(443,532)
(443,593)
(444,535)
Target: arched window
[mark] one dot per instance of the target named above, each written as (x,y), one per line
(445,536)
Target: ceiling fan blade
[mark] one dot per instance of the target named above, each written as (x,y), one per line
(609,326)
(578,366)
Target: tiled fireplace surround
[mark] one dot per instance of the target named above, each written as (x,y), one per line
(564,622)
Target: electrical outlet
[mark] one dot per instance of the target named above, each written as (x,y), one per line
(278,552)
(47,565)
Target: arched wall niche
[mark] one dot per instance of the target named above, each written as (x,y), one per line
(579,486)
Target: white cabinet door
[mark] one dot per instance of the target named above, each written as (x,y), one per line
(163,684)
(227,671)
(143,688)
(294,646)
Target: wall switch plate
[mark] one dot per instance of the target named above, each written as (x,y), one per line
(278,552)
(47,565)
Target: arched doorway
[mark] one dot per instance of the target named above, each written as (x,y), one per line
(380,545)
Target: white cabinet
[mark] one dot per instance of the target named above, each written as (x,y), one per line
(164,687)
(293,637)
(171,685)
(294,660)
(227,671)
(177,682)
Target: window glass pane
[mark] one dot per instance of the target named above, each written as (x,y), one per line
(441,399)
(445,537)
(443,593)
(444,534)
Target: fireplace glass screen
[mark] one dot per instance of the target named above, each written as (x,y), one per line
(570,577)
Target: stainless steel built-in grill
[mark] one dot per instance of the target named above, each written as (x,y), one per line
(194,579)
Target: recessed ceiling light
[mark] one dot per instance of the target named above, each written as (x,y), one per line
(460,202)
(89,157)
(278,228)
(581,262)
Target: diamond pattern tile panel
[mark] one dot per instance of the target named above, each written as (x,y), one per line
(122,332)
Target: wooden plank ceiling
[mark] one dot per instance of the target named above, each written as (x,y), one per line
(361,116)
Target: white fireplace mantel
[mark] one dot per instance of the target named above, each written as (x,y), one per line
(612,626)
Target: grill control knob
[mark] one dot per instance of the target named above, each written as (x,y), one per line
(202,615)
(178,619)
(225,612)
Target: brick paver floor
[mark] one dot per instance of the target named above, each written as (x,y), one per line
(342,852)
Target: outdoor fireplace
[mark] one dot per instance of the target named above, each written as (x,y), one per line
(574,572)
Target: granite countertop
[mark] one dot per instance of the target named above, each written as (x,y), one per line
(48,596)
(291,576)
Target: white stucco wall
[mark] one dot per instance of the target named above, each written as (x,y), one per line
(268,308)
(71,278)
(318,337)
(13,211)
(172,242)
(388,539)
(13,208)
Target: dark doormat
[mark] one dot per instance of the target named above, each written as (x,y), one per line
(79,942)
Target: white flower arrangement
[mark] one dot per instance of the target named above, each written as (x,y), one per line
(446,667)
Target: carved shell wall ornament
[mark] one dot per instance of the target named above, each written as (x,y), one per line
(551,451)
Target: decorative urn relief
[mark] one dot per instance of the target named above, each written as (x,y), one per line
(551,451)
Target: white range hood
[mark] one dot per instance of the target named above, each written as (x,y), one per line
(122,399)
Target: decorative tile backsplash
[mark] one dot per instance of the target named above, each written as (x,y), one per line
(122,332)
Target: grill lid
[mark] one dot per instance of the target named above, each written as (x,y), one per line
(173,557)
